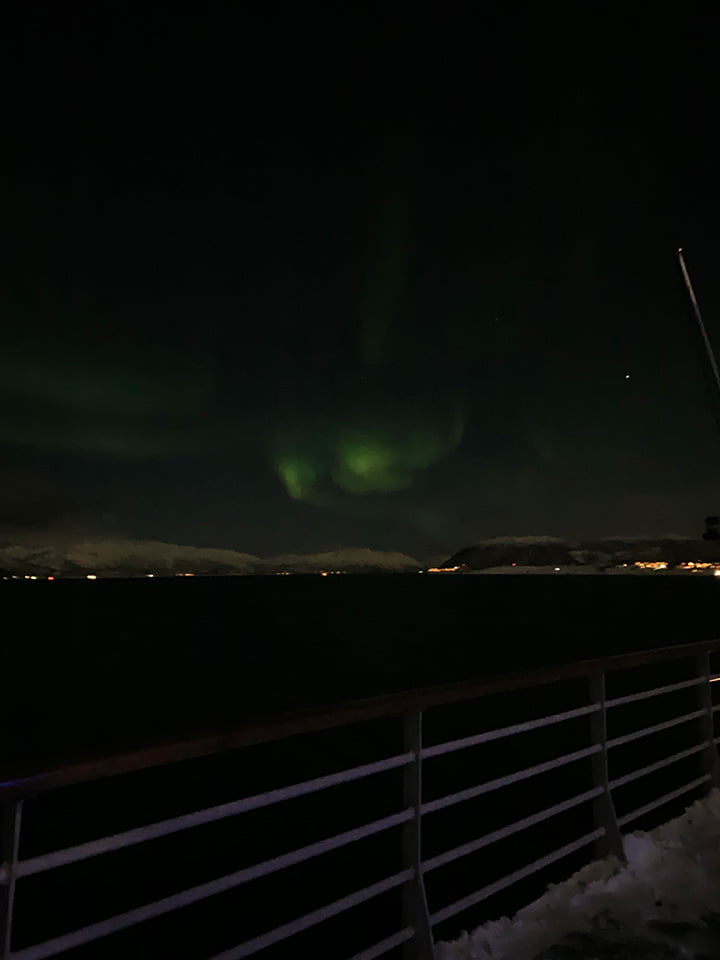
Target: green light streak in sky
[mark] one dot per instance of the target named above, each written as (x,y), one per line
(86,406)
(298,476)
(372,458)
(387,286)
(102,387)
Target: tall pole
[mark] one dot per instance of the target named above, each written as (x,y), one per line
(698,317)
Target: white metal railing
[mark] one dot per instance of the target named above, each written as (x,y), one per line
(418,921)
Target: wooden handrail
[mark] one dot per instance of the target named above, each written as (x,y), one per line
(293,724)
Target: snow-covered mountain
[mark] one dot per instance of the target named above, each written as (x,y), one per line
(134,558)
(601,554)
(122,558)
(355,560)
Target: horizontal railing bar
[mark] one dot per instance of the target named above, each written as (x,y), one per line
(656,692)
(673,795)
(294,724)
(312,919)
(466,848)
(716,707)
(432,805)
(652,767)
(325,846)
(512,878)
(94,848)
(389,943)
(647,731)
(201,892)
(452,745)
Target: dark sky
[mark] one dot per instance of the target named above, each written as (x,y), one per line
(299,281)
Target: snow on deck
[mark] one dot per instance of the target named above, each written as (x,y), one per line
(663,904)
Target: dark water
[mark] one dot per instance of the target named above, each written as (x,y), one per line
(90,666)
(149,659)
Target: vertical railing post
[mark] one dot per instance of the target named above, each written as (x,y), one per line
(711,765)
(10,819)
(603,805)
(415,908)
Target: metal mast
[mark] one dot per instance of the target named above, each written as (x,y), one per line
(698,317)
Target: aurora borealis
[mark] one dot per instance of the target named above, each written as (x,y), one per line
(82,405)
(379,443)
(286,286)
(364,458)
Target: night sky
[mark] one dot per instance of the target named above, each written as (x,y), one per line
(300,281)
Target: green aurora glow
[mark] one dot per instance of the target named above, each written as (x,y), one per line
(383,456)
(372,445)
(103,408)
